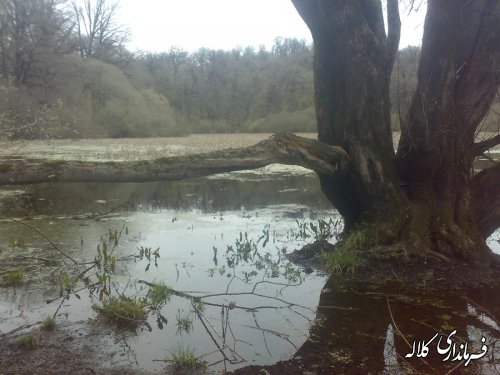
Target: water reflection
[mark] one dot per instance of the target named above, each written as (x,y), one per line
(206,194)
(375,330)
(353,332)
(247,317)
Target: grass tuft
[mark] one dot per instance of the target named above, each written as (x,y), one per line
(342,260)
(13,278)
(48,324)
(183,358)
(28,341)
(346,256)
(123,311)
(159,294)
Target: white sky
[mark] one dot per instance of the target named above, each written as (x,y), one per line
(156,25)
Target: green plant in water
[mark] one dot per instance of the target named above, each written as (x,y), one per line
(159,294)
(358,239)
(184,324)
(341,260)
(13,278)
(322,230)
(197,304)
(48,324)
(123,311)
(150,255)
(183,358)
(346,257)
(28,341)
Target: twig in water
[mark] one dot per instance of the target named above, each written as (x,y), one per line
(44,236)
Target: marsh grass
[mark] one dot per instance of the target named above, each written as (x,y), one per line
(342,260)
(13,278)
(28,341)
(124,312)
(346,257)
(183,359)
(48,324)
(159,294)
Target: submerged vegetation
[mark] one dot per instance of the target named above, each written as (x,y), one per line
(13,278)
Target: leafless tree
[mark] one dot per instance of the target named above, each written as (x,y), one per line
(99,35)
(33,33)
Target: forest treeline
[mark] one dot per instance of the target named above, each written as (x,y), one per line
(65,73)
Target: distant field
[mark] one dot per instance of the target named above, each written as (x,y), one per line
(140,148)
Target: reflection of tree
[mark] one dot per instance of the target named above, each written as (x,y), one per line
(255,282)
(207,195)
(363,338)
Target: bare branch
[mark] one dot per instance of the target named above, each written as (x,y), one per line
(280,148)
(481,147)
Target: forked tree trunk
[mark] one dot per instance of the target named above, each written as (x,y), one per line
(425,195)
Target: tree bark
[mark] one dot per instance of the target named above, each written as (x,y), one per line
(458,77)
(280,148)
(422,195)
(353,60)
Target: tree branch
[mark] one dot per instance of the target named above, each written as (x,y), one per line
(480,147)
(280,148)
(486,197)
(394,32)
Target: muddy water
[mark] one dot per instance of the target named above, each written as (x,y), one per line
(353,331)
(186,221)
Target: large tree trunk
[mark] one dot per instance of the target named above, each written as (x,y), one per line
(457,80)
(353,60)
(422,196)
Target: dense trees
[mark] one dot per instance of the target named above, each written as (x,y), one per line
(33,35)
(217,91)
(58,59)
(65,73)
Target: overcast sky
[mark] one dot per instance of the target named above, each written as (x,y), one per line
(156,25)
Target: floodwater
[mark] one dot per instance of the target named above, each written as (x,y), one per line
(254,313)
